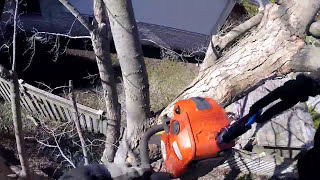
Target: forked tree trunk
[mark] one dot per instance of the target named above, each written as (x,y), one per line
(126,39)
(271,50)
(101,46)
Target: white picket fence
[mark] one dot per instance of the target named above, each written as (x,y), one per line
(48,106)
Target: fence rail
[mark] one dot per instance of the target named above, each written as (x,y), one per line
(49,106)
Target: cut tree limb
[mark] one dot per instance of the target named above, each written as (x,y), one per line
(219,43)
(269,50)
(237,31)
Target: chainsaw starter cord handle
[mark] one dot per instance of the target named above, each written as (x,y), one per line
(144,153)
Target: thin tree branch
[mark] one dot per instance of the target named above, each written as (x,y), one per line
(62,35)
(77,123)
(15,106)
(77,15)
(63,155)
(14,36)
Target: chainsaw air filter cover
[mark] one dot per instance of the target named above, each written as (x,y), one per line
(192,133)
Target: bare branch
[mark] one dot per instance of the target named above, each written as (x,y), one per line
(77,123)
(62,35)
(63,155)
(77,15)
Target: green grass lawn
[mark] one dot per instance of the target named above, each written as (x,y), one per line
(167,78)
(315,117)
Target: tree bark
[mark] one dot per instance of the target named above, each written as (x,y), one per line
(126,39)
(101,46)
(15,105)
(219,43)
(269,51)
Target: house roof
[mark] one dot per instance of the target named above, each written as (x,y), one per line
(150,34)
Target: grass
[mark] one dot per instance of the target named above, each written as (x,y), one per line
(251,8)
(6,123)
(167,79)
(315,117)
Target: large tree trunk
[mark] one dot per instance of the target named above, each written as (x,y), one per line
(101,46)
(126,39)
(269,51)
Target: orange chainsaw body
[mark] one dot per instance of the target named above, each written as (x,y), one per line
(192,133)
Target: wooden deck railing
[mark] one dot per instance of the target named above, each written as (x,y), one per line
(45,105)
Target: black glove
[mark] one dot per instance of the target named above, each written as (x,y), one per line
(106,172)
(292,92)
(92,172)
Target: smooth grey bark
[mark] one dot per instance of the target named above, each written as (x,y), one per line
(101,46)
(270,50)
(15,105)
(76,121)
(126,39)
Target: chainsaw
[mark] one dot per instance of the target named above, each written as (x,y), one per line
(200,128)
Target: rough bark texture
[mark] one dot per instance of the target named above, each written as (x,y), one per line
(221,42)
(267,52)
(101,46)
(126,39)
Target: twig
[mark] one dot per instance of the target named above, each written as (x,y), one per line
(63,155)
